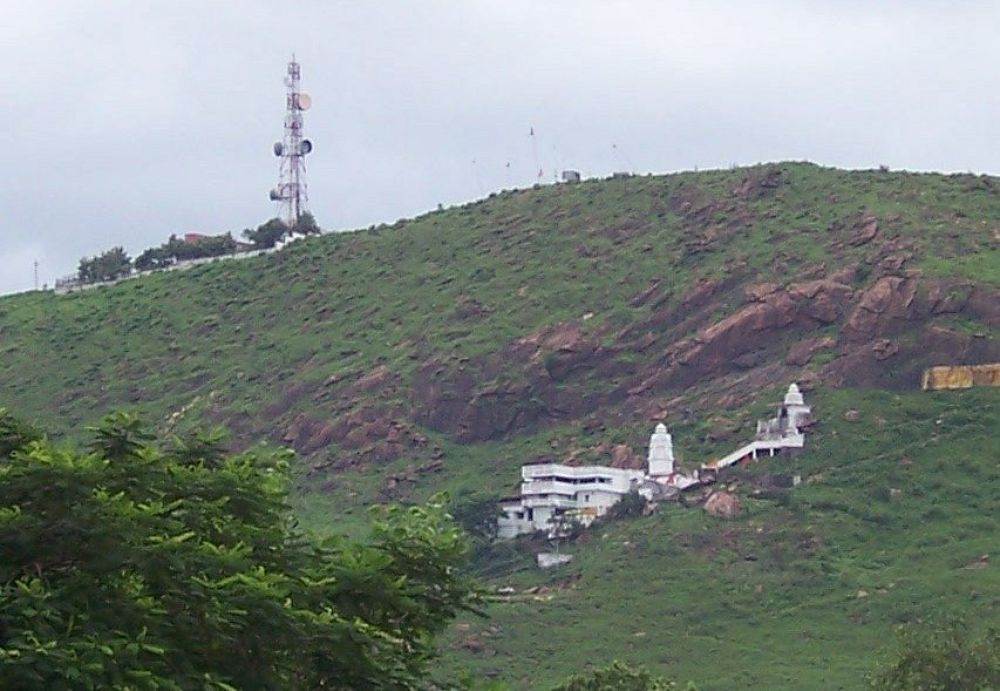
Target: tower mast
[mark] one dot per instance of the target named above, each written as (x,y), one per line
(292,192)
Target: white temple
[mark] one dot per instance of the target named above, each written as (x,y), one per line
(661,453)
(553,493)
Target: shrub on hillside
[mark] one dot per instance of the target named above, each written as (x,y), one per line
(617,677)
(939,660)
(631,505)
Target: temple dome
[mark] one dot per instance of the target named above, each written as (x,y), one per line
(794,396)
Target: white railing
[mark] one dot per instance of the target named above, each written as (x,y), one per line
(534,501)
(552,487)
(756,447)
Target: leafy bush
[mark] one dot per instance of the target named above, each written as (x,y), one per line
(941,660)
(616,677)
(631,505)
(134,566)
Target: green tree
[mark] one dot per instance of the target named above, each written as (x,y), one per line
(15,434)
(616,677)
(152,258)
(134,566)
(306,225)
(477,515)
(108,266)
(267,234)
(941,659)
(631,505)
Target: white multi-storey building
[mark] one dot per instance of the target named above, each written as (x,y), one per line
(551,492)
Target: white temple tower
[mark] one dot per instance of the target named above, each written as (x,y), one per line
(795,407)
(661,452)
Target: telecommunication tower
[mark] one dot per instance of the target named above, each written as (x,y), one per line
(292,193)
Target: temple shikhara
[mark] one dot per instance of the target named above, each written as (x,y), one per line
(553,494)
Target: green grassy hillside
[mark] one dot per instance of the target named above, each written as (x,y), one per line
(804,590)
(445,351)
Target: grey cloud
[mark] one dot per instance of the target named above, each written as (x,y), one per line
(125,122)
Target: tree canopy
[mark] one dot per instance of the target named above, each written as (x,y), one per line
(175,249)
(137,564)
(306,225)
(266,234)
(107,266)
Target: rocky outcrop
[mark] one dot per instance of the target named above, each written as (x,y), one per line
(622,456)
(864,231)
(367,434)
(723,505)
(802,352)
(882,309)
(754,328)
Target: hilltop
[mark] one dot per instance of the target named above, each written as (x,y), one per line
(559,323)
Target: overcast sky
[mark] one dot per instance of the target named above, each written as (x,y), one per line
(124,122)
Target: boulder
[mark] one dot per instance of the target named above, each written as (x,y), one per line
(864,231)
(723,505)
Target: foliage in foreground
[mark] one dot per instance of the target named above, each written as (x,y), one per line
(617,677)
(134,565)
(940,660)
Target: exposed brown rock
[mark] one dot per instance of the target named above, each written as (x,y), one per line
(622,456)
(700,293)
(759,291)
(723,505)
(724,341)
(882,309)
(643,296)
(845,274)
(948,298)
(760,183)
(884,349)
(374,379)
(984,304)
(802,352)
(864,231)
(823,300)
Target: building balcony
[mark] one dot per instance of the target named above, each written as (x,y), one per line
(548,487)
(555,502)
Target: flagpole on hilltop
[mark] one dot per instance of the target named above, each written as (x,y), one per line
(534,154)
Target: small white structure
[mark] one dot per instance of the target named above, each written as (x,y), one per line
(546,560)
(285,241)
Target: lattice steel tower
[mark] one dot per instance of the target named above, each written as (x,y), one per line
(292,193)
